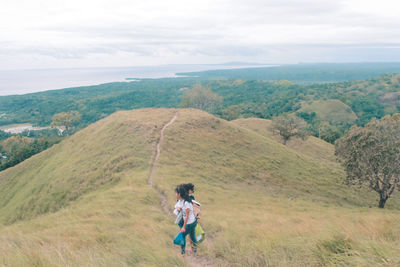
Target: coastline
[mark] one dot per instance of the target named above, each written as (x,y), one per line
(20,82)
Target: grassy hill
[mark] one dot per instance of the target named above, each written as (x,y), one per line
(333,110)
(313,147)
(87,202)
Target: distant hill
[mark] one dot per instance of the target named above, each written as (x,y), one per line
(87,201)
(333,111)
(304,73)
(251,96)
(342,104)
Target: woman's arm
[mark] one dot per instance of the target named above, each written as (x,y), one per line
(186,218)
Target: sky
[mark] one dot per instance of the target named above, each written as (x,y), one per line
(106,33)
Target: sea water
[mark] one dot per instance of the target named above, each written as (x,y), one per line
(15,82)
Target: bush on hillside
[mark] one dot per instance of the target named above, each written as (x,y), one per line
(288,127)
(201,98)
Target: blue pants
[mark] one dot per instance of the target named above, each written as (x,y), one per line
(190,230)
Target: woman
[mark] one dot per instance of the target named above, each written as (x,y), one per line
(185,205)
(190,189)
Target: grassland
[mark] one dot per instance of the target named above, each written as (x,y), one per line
(313,147)
(86,201)
(334,111)
(270,205)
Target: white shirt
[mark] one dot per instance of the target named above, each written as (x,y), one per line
(184,205)
(178,204)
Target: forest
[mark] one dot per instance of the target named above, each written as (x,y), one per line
(327,107)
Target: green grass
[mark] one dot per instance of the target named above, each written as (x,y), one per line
(264,204)
(334,111)
(96,157)
(313,147)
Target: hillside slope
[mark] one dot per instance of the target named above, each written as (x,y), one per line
(87,202)
(313,147)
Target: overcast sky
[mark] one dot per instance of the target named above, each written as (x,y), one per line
(90,33)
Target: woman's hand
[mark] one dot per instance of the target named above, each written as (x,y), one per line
(178,209)
(183,229)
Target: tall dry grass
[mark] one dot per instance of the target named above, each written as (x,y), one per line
(264,204)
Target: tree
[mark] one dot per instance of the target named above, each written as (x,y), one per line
(4,135)
(284,83)
(309,117)
(201,98)
(12,144)
(288,126)
(66,119)
(15,149)
(328,132)
(230,113)
(371,155)
(18,148)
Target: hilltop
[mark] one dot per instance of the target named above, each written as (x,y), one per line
(334,111)
(87,201)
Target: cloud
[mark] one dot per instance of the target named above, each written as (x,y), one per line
(156,31)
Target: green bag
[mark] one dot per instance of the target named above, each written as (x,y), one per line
(199,232)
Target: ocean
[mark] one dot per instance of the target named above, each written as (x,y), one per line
(16,82)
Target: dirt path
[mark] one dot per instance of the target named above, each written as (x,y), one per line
(164,201)
(195,261)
